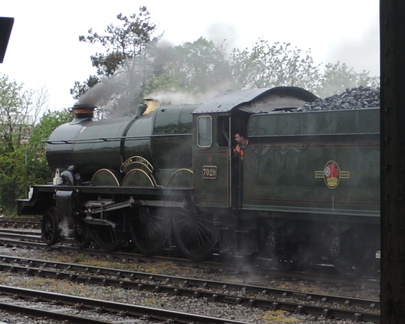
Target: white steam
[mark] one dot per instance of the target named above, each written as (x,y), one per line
(120,94)
(65,231)
(177,97)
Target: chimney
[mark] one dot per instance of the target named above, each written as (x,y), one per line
(82,111)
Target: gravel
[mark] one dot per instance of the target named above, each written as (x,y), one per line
(143,298)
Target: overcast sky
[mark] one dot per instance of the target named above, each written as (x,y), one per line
(44,50)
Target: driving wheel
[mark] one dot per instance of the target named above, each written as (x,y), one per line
(195,233)
(147,226)
(50,232)
(107,237)
(81,234)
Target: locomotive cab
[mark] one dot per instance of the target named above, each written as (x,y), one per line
(218,174)
(211,163)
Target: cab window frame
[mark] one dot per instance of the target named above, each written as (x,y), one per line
(204,132)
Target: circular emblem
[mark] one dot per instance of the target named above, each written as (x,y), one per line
(331,174)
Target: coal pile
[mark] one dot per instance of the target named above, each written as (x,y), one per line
(356,98)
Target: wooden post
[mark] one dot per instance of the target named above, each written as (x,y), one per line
(392,33)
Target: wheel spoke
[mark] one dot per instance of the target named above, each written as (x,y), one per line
(81,235)
(107,237)
(147,228)
(195,233)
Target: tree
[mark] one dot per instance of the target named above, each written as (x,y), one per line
(189,71)
(193,69)
(28,164)
(337,77)
(49,121)
(19,109)
(278,64)
(14,114)
(126,49)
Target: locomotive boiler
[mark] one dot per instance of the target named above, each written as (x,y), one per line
(168,179)
(103,152)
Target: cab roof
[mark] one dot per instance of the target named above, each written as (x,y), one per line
(256,100)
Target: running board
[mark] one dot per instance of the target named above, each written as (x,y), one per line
(101,206)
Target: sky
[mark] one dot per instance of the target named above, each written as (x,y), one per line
(44,49)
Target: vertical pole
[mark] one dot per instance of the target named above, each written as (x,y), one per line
(392,33)
(6,25)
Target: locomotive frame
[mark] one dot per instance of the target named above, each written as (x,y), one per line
(167,179)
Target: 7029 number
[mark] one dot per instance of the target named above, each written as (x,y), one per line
(209,172)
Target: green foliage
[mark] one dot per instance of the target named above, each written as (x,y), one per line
(35,161)
(23,161)
(18,170)
(12,130)
(8,180)
(13,114)
(47,124)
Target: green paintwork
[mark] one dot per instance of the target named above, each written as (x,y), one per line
(212,188)
(284,165)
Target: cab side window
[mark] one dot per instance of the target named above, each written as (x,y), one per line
(204,131)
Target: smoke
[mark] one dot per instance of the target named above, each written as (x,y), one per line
(101,93)
(205,85)
(118,95)
(122,93)
(220,33)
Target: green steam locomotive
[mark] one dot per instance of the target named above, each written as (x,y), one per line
(168,178)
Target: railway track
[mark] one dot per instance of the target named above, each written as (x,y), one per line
(21,223)
(63,307)
(219,292)
(16,234)
(32,239)
(263,297)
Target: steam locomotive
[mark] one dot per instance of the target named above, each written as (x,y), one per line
(167,178)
